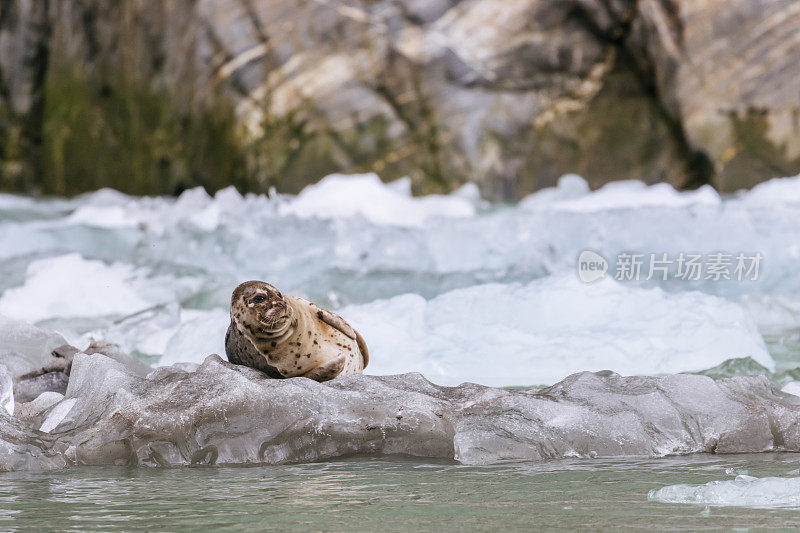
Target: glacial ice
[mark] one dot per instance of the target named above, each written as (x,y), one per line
(773,193)
(226,414)
(24,347)
(154,274)
(339,196)
(500,334)
(743,491)
(57,415)
(629,194)
(70,286)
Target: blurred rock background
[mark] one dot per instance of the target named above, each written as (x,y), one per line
(154,96)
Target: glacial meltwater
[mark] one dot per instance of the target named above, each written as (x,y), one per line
(400,495)
(626,357)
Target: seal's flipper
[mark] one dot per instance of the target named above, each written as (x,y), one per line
(362,345)
(337,322)
(333,320)
(328,371)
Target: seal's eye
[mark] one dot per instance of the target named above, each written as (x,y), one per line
(258,299)
(280,295)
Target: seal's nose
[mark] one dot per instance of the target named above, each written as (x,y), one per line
(282,304)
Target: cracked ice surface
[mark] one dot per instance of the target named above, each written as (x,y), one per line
(227,414)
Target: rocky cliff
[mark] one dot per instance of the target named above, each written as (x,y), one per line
(150,96)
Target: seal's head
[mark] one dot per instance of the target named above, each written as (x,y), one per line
(260,308)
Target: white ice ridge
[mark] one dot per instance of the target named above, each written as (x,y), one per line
(572,194)
(220,413)
(743,491)
(537,333)
(365,195)
(70,286)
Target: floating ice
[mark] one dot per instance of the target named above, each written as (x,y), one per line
(227,414)
(572,194)
(542,331)
(340,196)
(202,333)
(568,187)
(160,264)
(71,286)
(743,491)
(24,347)
(773,192)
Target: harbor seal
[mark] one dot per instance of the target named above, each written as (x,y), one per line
(286,336)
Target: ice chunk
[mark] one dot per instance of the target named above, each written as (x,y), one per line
(633,194)
(200,334)
(568,187)
(57,415)
(743,491)
(542,331)
(110,216)
(572,194)
(31,411)
(340,196)
(228,414)
(71,286)
(6,390)
(146,332)
(773,192)
(114,352)
(24,347)
(22,448)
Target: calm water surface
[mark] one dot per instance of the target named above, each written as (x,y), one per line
(386,494)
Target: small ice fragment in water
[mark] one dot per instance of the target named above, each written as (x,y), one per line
(6,390)
(743,491)
(735,471)
(57,415)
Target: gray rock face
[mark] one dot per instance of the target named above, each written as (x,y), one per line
(227,414)
(506,93)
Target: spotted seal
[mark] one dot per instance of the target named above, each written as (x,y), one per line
(286,336)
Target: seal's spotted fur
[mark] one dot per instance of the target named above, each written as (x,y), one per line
(286,336)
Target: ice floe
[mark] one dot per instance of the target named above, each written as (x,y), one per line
(743,491)
(220,413)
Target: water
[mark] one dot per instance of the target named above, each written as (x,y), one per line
(389,494)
